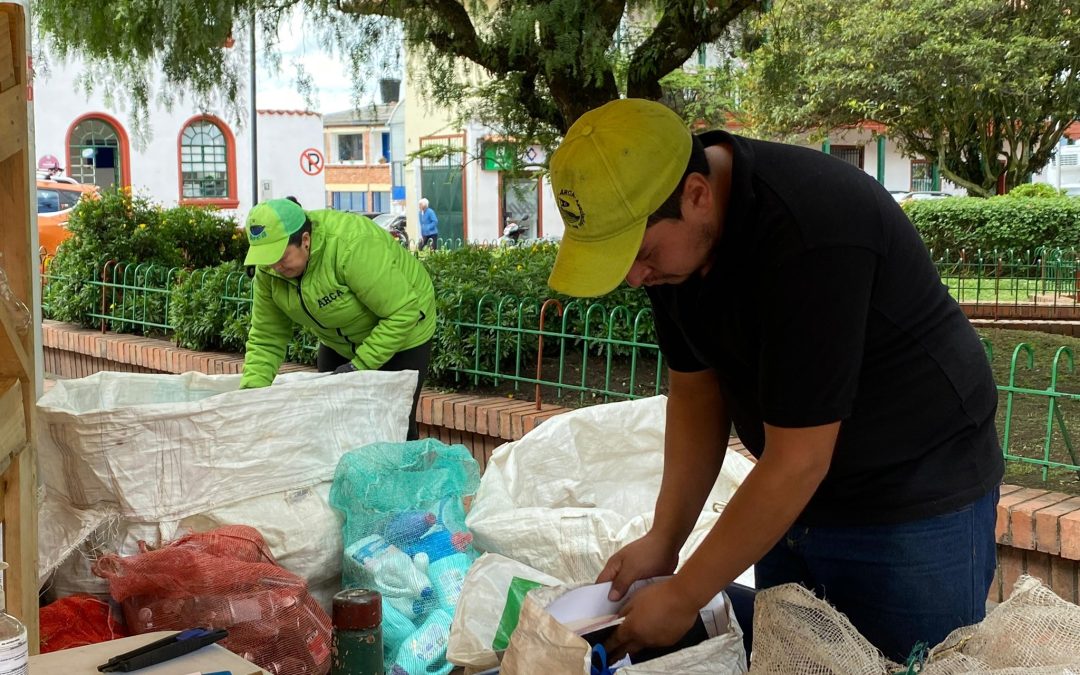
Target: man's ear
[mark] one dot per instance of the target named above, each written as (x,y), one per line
(307,239)
(697,194)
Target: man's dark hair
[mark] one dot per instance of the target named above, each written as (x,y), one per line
(672,206)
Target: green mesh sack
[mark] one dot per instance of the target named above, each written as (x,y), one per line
(405,536)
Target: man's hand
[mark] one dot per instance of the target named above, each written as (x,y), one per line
(651,556)
(658,615)
(345,368)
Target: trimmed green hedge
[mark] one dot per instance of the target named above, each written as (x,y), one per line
(132,229)
(205,312)
(208,308)
(999,223)
(516,277)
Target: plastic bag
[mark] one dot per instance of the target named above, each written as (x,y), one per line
(405,536)
(301,530)
(228,579)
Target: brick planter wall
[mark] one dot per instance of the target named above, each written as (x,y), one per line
(1025,312)
(1038,532)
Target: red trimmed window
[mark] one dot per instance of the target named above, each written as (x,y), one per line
(98,152)
(207,163)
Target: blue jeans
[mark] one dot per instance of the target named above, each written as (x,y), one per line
(898,584)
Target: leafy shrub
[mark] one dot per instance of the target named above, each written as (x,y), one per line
(211,310)
(149,245)
(999,223)
(1041,190)
(502,286)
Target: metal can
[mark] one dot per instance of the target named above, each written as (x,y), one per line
(357,645)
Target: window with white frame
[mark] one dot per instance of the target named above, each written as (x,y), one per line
(347,149)
(204,162)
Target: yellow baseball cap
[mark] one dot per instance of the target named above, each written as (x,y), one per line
(616,165)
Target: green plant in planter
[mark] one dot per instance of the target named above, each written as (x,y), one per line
(149,246)
(515,279)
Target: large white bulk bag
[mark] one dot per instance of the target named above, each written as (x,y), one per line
(163,447)
(580,486)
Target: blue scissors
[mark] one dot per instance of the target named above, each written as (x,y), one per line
(598,651)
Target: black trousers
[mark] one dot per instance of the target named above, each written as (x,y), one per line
(416,359)
(431,240)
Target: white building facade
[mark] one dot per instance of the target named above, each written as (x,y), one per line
(189,156)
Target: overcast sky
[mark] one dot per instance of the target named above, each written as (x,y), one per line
(333,83)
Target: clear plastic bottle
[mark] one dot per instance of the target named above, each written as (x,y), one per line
(14,649)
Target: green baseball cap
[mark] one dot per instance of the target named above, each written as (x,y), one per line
(269,226)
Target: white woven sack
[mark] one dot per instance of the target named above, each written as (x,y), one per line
(540,644)
(580,486)
(163,447)
(480,609)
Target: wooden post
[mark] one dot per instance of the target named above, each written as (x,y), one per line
(18,462)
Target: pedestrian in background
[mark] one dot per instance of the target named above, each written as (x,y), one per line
(429,226)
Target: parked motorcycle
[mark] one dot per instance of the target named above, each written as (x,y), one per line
(395,225)
(514,231)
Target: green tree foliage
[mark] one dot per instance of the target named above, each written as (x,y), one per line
(984,87)
(1036,190)
(541,63)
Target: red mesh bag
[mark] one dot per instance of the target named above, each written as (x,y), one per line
(75,621)
(225,578)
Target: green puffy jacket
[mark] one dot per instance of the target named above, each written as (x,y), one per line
(362,293)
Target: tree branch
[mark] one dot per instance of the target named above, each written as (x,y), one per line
(672,43)
(450,30)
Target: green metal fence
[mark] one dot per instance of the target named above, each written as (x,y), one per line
(583,349)
(135,296)
(1022,403)
(596,353)
(1040,277)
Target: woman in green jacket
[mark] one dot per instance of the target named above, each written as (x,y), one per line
(369,300)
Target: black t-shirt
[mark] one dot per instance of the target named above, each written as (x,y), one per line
(823,305)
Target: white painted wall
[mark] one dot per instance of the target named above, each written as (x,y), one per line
(283,136)
(897,166)
(1063,170)
(154,165)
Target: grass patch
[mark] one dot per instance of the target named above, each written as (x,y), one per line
(1027,426)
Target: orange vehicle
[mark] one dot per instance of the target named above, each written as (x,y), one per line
(55,200)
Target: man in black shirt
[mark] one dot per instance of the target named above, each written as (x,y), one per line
(793,299)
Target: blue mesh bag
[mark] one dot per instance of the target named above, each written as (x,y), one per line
(405,536)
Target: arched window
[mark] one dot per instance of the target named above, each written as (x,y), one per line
(207,163)
(98,151)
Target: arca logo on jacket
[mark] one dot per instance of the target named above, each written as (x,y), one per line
(330,297)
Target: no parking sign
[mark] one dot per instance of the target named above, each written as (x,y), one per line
(311,161)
